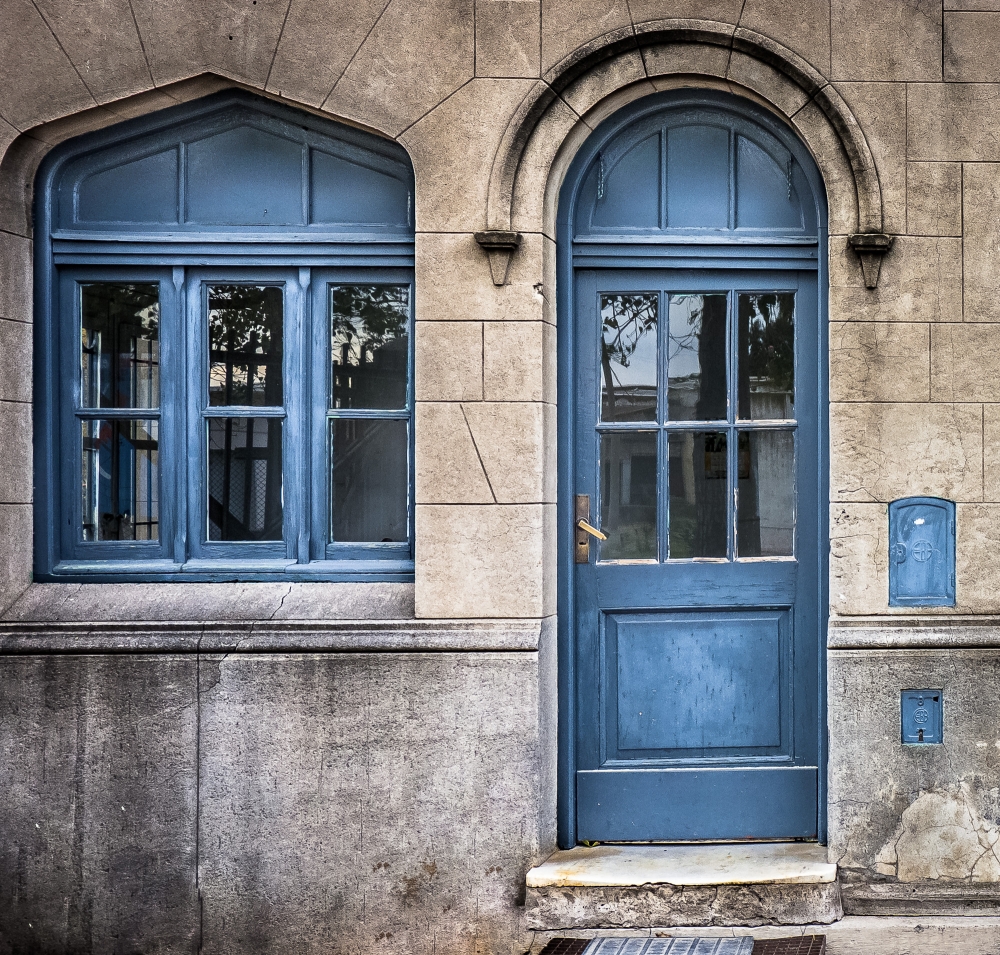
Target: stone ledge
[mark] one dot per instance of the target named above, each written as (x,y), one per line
(921,898)
(914,634)
(263,636)
(642,886)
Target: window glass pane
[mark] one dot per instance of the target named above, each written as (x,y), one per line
(628,357)
(369,345)
(244,479)
(767,355)
(696,358)
(765,500)
(628,495)
(370,480)
(245,338)
(120,346)
(120,480)
(698,490)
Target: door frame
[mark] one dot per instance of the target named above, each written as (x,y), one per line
(690,257)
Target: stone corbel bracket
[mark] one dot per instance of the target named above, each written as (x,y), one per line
(499,246)
(871,247)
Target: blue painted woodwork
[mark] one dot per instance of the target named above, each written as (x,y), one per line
(922,552)
(921,716)
(231,189)
(691,690)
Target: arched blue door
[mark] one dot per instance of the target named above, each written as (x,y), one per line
(693,449)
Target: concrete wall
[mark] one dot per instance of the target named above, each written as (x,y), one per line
(359,786)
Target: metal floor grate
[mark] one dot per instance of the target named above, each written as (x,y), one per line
(797,945)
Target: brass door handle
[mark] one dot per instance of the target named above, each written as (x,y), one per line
(590,529)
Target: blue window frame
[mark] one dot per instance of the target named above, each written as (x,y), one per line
(224,370)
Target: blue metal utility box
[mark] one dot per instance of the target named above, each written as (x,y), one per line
(922,552)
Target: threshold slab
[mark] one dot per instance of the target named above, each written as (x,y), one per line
(687,865)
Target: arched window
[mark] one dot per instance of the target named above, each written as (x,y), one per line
(224,361)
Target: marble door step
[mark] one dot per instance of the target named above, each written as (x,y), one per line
(744,945)
(730,864)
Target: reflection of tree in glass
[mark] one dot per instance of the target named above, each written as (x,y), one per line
(113,305)
(245,335)
(771,344)
(366,317)
(624,321)
(688,341)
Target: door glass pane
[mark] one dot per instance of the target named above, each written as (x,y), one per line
(245,325)
(767,355)
(628,495)
(369,345)
(370,480)
(698,489)
(120,346)
(120,480)
(628,357)
(244,479)
(765,501)
(696,357)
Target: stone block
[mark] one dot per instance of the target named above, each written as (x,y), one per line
(455,283)
(766,81)
(449,361)
(961,359)
(888,41)
(972,47)
(953,122)
(569,24)
(411,771)
(991,453)
(834,166)
(934,198)
(415,56)
(513,362)
(879,361)
(667,59)
(803,27)
(99,803)
(102,41)
(517,446)
(604,80)
(15,551)
(977,547)
(981,241)
(15,361)
(508,37)
(16,461)
(307,63)
(880,109)
(859,559)
(46,85)
(722,11)
(448,465)
(550,364)
(455,143)
(881,452)
(913,814)
(546,157)
(15,278)
(502,554)
(188,37)
(920,281)
(231,602)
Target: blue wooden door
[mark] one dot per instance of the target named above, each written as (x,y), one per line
(696,425)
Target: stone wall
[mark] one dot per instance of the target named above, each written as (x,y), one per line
(361,787)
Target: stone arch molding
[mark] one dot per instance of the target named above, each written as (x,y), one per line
(562,108)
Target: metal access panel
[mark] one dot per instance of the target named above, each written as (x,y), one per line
(922,552)
(921,716)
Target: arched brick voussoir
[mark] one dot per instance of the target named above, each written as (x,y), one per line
(755,64)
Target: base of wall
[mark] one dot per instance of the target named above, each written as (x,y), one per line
(920,898)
